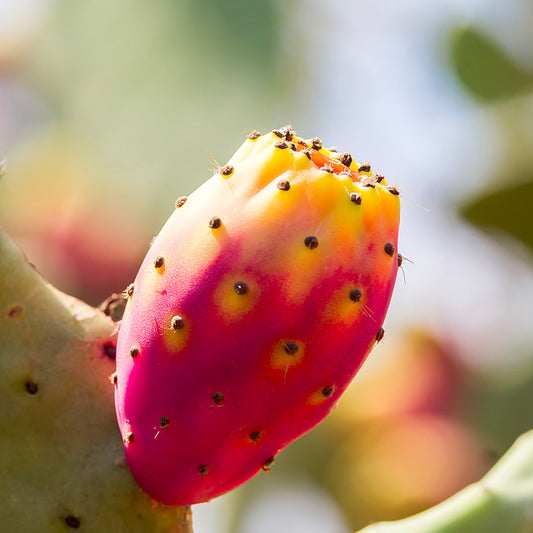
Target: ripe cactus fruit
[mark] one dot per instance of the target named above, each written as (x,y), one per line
(278,272)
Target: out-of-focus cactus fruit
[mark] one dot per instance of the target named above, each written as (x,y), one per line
(501,502)
(66,227)
(416,372)
(61,458)
(402,449)
(402,465)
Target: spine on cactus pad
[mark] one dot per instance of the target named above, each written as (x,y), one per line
(253,310)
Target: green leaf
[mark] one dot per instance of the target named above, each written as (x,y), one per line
(485,69)
(506,210)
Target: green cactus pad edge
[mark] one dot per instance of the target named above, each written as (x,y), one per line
(61,457)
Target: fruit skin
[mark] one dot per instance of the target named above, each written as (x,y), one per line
(61,460)
(278,273)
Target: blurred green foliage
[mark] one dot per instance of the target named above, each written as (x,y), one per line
(498,407)
(490,74)
(507,210)
(503,211)
(484,68)
(152,89)
(250,31)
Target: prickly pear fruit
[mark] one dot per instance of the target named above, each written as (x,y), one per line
(253,310)
(61,458)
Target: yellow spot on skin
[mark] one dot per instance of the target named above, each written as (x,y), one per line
(176,339)
(155,270)
(230,305)
(304,268)
(340,308)
(281,360)
(318,397)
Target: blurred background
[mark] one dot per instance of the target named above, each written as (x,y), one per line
(111,110)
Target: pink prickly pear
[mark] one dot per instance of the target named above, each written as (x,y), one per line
(251,313)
